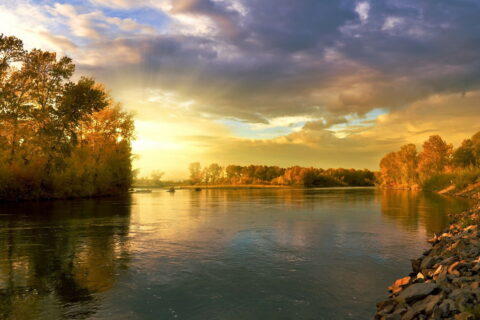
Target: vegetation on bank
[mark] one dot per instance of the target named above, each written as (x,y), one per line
(436,167)
(215,174)
(58,138)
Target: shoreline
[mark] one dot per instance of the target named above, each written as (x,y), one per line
(250,186)
(445,280)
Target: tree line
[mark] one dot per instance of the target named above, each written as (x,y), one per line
(214,174)
(436,166)
(58,138)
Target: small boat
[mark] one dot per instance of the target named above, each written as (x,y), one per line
(198,189)
(171,189)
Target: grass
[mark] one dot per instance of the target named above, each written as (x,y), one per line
(460,179)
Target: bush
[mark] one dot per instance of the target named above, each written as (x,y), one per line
(466,177)
(439,181)
(460,179)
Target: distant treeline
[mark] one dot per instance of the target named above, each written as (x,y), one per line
(215,174)
(437,166)
(58,138)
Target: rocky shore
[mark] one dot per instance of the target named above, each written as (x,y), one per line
(445,281)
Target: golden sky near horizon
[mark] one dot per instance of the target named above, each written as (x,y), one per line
(277,82)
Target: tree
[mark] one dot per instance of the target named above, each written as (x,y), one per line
(156,177)
(195,172)
(390,172)
(214,173)
(58,138)
(476,147)
(464,156)
(11,50)
(434,158)
(407,164)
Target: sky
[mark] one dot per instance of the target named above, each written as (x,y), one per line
(318,83)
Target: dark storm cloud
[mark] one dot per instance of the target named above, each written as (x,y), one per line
(309,57)
(286,26)
(225,18)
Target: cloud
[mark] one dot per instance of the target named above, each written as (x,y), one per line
(362,8)
(248,63)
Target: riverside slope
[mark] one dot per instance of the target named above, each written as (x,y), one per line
(445,281)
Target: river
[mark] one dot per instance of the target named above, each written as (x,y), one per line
(213,254)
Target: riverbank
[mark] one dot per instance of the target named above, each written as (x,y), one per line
(234,186)
(445,281)
(243,187)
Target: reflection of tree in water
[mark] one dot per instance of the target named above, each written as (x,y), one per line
(413,208)
(55,256)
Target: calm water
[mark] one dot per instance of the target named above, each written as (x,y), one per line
(214,254)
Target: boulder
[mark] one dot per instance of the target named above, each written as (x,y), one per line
(446,306)
(428,262)
(417,291)
(387,306)
(410,314)
(426,305)
(416,263)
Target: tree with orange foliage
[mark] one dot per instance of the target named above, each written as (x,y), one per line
(435,157)
(58,138)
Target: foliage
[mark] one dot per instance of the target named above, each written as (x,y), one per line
(58,138)
(435,168)
(438,181)
(435,157)
(274,175)
(195,172)
(153,180)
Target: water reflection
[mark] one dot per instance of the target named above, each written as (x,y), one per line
(54,256)
(414,209)
(214,254)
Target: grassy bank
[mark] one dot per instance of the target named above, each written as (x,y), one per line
(455,182)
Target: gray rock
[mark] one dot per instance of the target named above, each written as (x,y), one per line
(428,303)
(461,293)
(389,308)
(437,313)
(389,304)
(410,314)
(429,262)
(417,291)
(446,306)
(416,265)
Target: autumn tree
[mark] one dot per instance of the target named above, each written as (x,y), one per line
(213,173)
(300,176)
(407,162)
(464,156)
(390,170)
(195,170)
(156,177)
(58,138)
(434,158)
